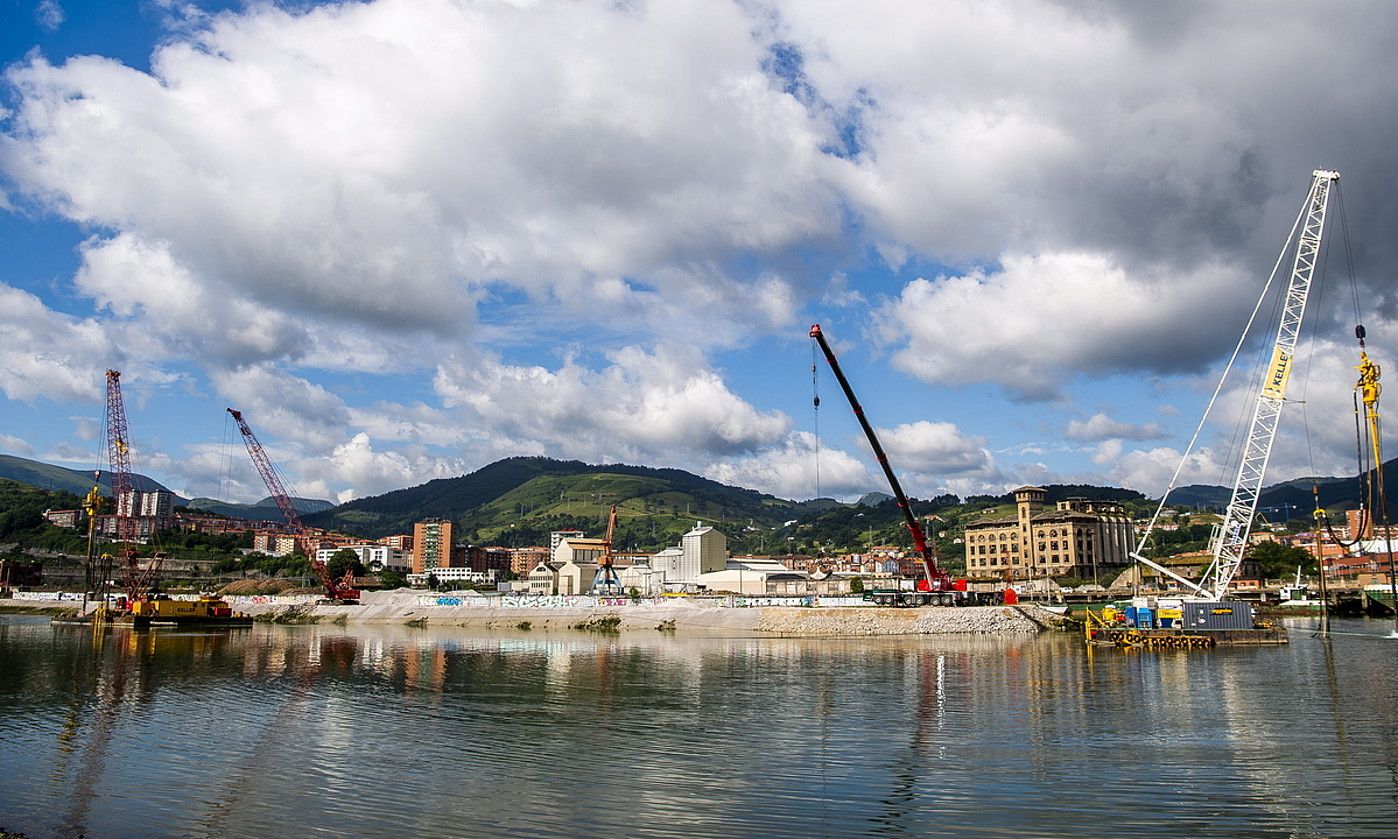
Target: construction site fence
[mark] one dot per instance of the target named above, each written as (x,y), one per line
(583,601)
(48,596)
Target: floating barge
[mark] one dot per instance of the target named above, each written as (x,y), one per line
(207,612)
(1151,623)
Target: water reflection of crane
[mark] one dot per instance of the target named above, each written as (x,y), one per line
(930,669)
(106,685)
(333,653)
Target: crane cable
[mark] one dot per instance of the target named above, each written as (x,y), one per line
(815,410)
(1364,454)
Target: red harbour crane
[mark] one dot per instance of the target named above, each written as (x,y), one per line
(340,591)
(606,579)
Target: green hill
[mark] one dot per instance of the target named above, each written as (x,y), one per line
(22,522)
(62,479)
(77,481)
(264,510)
(520,500)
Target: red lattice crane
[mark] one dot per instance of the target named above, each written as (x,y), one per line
(137,581)
(337,591)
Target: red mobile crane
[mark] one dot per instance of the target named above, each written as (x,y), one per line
(936,588)
(339,592)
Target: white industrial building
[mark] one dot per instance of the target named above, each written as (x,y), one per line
(578,549)
(558,536)
(666,564)
(576,577)
(373,557)
(543,578)
(753,576)
(704,550)
(646,581)
(469,576)
(699,563)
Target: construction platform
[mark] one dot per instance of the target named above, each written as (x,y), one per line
(1151,623)
(1185,639)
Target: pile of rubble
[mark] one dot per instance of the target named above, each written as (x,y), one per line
(976,620)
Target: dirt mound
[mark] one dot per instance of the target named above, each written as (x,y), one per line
(247,587)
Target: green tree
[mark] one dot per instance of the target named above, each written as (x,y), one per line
(1275,560)
(393,579)
(856,586)
(343,561)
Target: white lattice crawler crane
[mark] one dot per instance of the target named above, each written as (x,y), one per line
(1205,605)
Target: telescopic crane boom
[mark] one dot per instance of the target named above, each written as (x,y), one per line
(338,591)
(936,579)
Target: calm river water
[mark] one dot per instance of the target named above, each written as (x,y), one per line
(394,732)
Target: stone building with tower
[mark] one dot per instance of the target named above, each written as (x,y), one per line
(1089,540)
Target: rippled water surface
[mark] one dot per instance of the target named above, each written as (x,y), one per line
(327,731)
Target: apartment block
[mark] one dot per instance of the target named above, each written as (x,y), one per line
(432,545)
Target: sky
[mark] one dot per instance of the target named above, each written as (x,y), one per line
(410,237)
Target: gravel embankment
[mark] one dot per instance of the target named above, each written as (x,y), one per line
(980,620)
(403,608)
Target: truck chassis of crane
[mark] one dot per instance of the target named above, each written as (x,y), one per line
(911,599)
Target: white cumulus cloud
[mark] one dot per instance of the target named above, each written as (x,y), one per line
(1099,426)
(794,469)
(665,404)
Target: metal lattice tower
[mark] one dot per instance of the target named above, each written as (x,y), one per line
(137,581)
(124,507)
(1232,538)
(119,458)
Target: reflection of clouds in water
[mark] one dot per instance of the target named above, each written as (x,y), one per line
(567,733)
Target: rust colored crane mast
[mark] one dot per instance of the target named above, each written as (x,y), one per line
(337,591)
(607,572)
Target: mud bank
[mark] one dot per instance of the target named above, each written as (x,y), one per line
(35,607)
